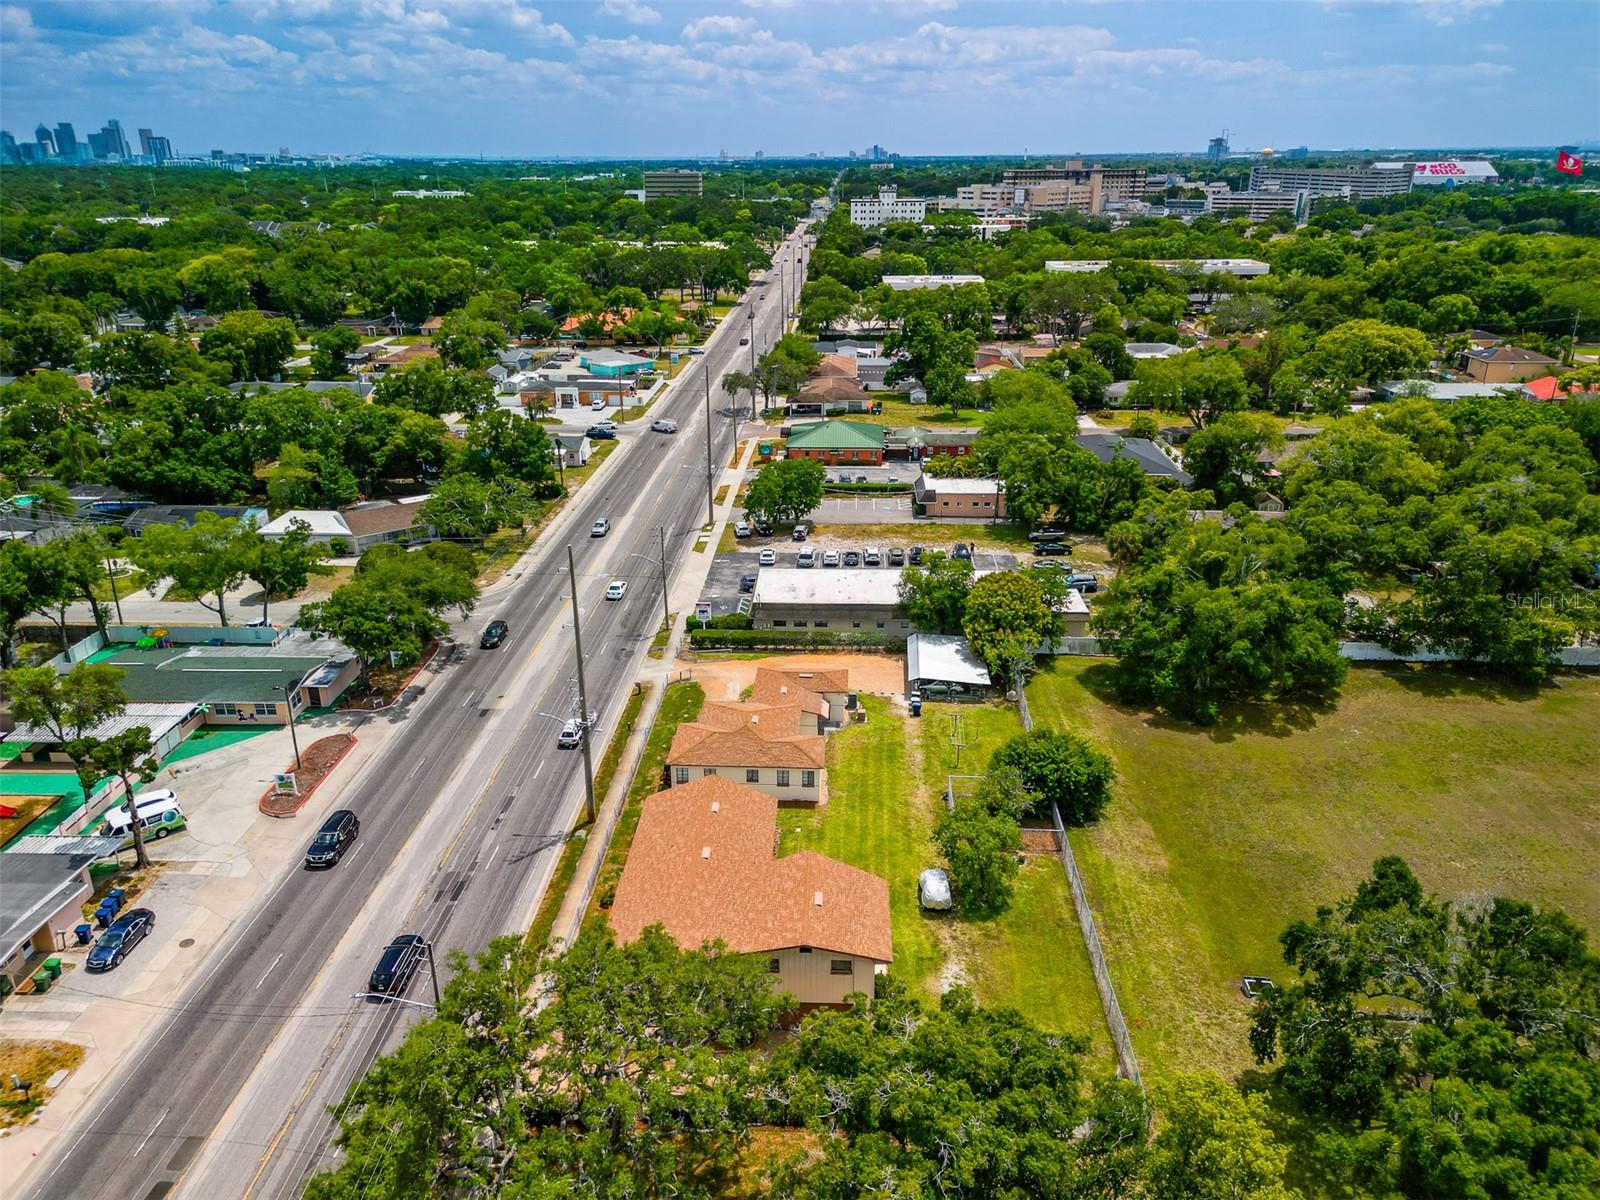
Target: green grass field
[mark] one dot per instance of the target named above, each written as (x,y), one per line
(1216,839)
(885,782)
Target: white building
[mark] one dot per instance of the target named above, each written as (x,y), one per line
(889,205)
(1258,206)
(1242,268)
(1449,172)
(1359,183)
(911,283)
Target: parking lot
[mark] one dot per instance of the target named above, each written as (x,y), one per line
(863,510)
(722,582)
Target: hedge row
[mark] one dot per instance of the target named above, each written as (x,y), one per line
(789,639)
(731,621)
(894,486)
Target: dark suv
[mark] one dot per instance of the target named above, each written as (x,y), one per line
(397,965)
(333,839)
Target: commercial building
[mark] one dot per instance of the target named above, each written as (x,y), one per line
(969,499)
(702,865)
(236,685)
(1242,268)
(850,598)
(1358,183)
(673,182)
(887,206)
(1256,206)
(912,283)
(1450,172)
(1102,186)
(614,364)
(1506,364)
(837,442)
(42,902)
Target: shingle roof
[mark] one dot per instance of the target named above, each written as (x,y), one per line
(837,365)
(383,518)
(774,682)
(770,720)
(702,866)
(697,745)
(836,435)
(1509,354)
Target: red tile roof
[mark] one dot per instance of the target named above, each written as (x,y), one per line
(701,865)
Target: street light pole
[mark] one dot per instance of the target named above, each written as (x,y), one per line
(711,508)
(666,616)
(433,973)
(583,695)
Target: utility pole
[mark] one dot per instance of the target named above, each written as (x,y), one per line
(666,617)
(111,577)
(711,508)
(583,695)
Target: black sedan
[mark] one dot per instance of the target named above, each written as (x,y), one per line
(126,932)
(494,633)
(1046,548)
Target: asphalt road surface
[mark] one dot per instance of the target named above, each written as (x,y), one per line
(462,815)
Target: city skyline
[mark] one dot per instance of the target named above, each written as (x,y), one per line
(506,79)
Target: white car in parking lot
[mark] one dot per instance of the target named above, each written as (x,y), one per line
(617,590)
(769,557)
(830,558)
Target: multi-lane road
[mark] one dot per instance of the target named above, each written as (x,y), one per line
(462,813)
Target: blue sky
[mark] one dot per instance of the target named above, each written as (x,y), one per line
(656,78)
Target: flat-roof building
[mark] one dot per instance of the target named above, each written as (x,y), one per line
(673,182)
(911,283)
(887,206)
(849,598)
(1359,183)
(1242,268)
(1449,172)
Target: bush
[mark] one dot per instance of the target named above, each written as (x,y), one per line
(1061,767)
(783,639)
(893,486)
(731,621)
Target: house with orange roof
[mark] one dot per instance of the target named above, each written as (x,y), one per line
(1550,388)
(704,866)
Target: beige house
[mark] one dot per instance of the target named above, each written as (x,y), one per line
(1506,364)
(703,866)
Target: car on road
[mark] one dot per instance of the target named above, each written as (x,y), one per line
(120,937)
(768,558)
(897,556)
(801,532)
(1046,548)
(741,529)
(914,556)
(697,350)
(494,633)
(963,551)
(747,582)
(600,528)
(744,341)
(806,558)
(602,433)
(830,558)
(1047,535)
(333,839)
(1083,583)
(617,590)
(571,734)
(397,964)
(852,558)
(662,425)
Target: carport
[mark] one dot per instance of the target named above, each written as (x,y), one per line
(944,661)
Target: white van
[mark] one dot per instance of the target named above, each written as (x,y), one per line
(159,814)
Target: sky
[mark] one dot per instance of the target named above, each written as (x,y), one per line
(653,78)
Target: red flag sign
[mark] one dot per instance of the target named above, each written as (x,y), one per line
(1569,164)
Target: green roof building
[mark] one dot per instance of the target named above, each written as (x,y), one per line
(837,442)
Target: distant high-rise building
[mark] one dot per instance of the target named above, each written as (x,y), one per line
(66,141)
(8,148)
(673,183)
(98,146)
(1217,148)
(46,141)
(160,149)
(144,142)
(1358,183)
(116,140)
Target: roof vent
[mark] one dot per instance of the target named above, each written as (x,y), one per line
(705,851)
(816,899)
(716,806)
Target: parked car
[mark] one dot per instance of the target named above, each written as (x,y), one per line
(768,557)
(598,404)
(602,433)
(872,557)
(123,934)
(494,633)
(861,479)
(397,964)
(963,551)
(1047,535)
(1083,583)
(801,532)
(806,558)
(830,558)
(1046,548)
(571,734)
(741,529)
(617,590)
(914,555)
(662,425)
(600,528)
(333,839)
(747,582)
(897,556)
(764,528)
(697,350)
(852,558)
(933,889)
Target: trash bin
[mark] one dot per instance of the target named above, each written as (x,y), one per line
(102,917)
(53,965)
(84,933)
(916,707)
(41,981)
(119,895)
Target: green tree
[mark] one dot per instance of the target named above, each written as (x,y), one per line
(43,339)
(331,348)
(1363,352)
(465,506)
(432,388)
(1143,425)
(502,444)
(129,755)
(1214,1144)
(823,303)
(1225,457)
(785,491)
(1203,387)
(212,557)
(980,837)
(249,345)
(1007,620)
(1061,769)
(284,565)
(468,342)
(934,595)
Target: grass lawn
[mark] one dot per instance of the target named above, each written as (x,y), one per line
(32,1062)
(898,413)
(935,535)
(1216,839)
(885,782)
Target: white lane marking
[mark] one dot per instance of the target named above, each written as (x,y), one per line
(419,765)
(268,971)
(492,851)
(152,1132)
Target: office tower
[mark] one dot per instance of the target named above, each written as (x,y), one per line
(144,143)
(672,183)
(66,141)
(116,140)
(160,149)
(8,148)
(1217,148)
(46,140)
(98,147)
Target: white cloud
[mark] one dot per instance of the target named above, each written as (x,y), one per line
(707,29)
(632,11)
(1436,12)
(16,24)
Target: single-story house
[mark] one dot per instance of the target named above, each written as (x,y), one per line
(1394,389)
(431,326)
(703,866)
(789,766)
(865,598)
(1549,387)
(871,370)
(941,658)
(1506,364)
(835,366)
(614,364)
(402,357)
(1141,350)
(559,390)
(186,514)
(837,443)
(1107,446)
(572,449)
(824,394)
(984,499)
(41,903)
(806,686)
(234,685)
(362,390)
(360,526)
